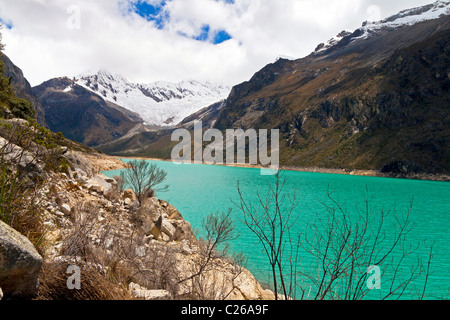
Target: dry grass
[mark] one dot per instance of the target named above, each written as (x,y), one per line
(96,284)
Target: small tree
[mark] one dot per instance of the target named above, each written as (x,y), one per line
(144,178)
(348,245)
(219,231)
(271,221)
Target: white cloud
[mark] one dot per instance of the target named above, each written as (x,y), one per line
(44,45)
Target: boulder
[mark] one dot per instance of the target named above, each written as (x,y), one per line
(152,295)
(168,228)
(248,288)
(20,264)
(100,183)
(152,208)
(65,208)
(80,164)
(144,223)
(18,156)
(183,230)
(172,213)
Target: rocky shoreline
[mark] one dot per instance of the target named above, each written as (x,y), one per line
(89,224)
(365,173)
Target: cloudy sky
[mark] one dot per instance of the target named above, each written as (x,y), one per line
(221,41)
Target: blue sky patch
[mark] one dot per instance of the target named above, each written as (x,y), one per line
(221,36)
(215,36)
(152,12)
(204,34)
(6,24)
(157,14)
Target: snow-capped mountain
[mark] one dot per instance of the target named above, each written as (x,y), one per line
(159,103)
(333,41)
(407,17)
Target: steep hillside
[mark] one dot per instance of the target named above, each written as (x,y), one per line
(377,99)
(22,87)
(80,114)
(207,115)
(157,143)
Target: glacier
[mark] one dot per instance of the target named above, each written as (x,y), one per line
(161,103)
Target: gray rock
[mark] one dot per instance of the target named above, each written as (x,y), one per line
(65,208)
(152,295)
(80,164)
(20,264)
(168,228)
(152,208)
(183,230)
(172,213)
(16,155)
(59,213)
(100,184)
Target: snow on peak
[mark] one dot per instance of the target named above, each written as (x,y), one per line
(407,17)
(158,103)
(333,41)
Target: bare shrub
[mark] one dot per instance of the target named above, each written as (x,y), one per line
(343,246)
(144,178)
(271,220)
(120,183)
(213,270)
(78,243)
(149,265)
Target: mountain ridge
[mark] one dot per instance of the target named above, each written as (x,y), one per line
(80,114)
(161,103)
(332,108)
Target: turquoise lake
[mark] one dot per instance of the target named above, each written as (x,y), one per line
(198,190)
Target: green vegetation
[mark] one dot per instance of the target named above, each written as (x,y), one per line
(9,103)
(27,151)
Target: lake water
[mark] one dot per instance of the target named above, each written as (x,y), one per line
(198,190)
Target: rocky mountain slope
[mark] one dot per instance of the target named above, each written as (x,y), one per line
(160,104)
(22,87)
(375,99)
(82,115)
(158,144)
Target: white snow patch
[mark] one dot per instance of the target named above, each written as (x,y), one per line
(407,17)
(159,103)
